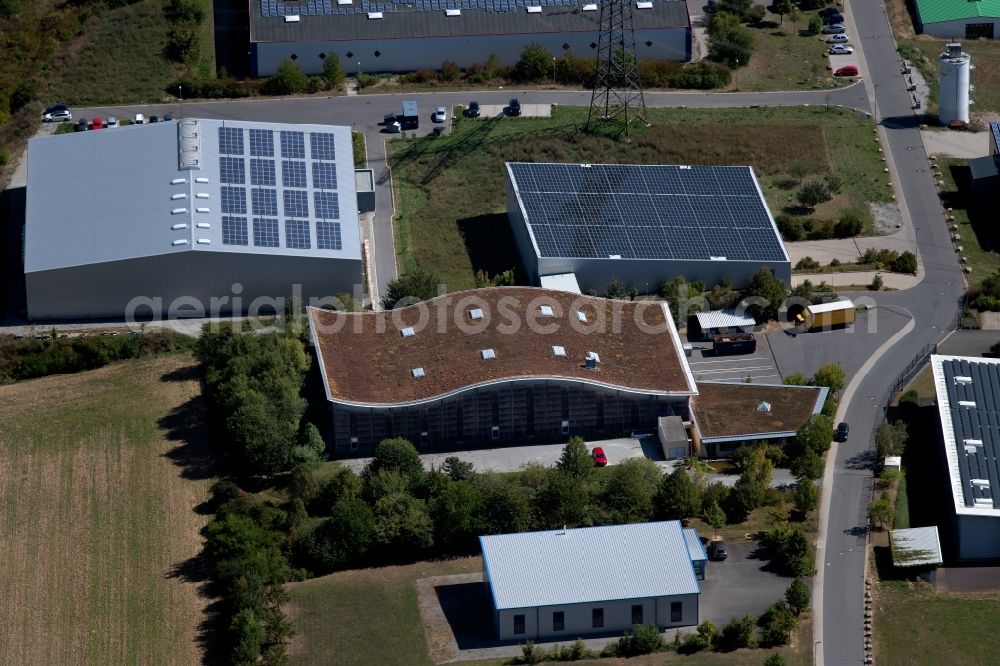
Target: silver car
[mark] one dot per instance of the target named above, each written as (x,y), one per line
(837,39)
(840,49)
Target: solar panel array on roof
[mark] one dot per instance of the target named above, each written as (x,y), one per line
(974,403)
(320,7)
(293,215)
(646,212)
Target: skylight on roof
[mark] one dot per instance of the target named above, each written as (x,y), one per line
(545,310)
(475,314)
(534,9)
(407,332)
(417,373)
(966,403)
(488,354)
(453,12)
(581,315)
(644,5)
(593,356)
(590,8)
(374,15)
(558,350)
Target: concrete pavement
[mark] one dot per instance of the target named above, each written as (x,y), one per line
(889,280)
(966,145)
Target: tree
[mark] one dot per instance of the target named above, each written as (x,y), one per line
(311,446)
(798,596)
(891,439)
(333,72)
(576,460)
(640,639)
(813,193)
(815,25)
(775,659)
(344,484)
(403,530)
(795,16)
(777,625)
(830,375)
(808,465)
(881,512)
(409,288)
(343,538)
(301,484)
(397,455)
(798,559)
(708,634)
(782,7)
(247,637)
(630,488)
(457,469)
(504,506)
(729,42)
(287,80)
(715,517)
(189,10)
(740,632)
(905,263)
(813,435)
(796,378)
(764,295)
(562,499)
(454,512)
(677,497)
(751,488)
(806,496)
(535,63)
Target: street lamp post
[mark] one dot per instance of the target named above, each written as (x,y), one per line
(736,74)
(553,70)
(876,104)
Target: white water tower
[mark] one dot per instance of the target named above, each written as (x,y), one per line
(954,89)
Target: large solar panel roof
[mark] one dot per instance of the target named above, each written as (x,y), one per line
(633,211)
(968,397)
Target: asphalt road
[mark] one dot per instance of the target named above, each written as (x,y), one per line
(363,113)
(932,304)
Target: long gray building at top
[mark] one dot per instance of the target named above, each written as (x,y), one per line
(188,218)
(406,35)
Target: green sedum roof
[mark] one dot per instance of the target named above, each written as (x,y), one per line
(939,11)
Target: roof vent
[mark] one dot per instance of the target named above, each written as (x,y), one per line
(178,196)
(534,10)
(558,350)
(203,225)
(971,449)
(966,403)
(963,379)
(644,5)
(407,332)
(545,310)
(590,8)
(581,315)
(188,145)
(614,256)
(417,373)
(488,354)
(180,241)
(475,314)
(201,195)
(763,406)
(711,258)
(178,211)
(980,482)
(201,179)
(182,225)
(203,210)
(453,12)
(292,18)
(178,181)
(374,15)
(204,241)
(344,2)
(972,442)
(593,358)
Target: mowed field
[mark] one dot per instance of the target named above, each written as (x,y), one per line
(100,474)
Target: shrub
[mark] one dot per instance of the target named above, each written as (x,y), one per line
(790,228)
(806,264)
(776,659)
(834,262)
(806,495)
(707,634)
(849,224)
(333,71)
(905,263)
(704,75)
(815,25)
(535,63)
(877,282)
(450,71)
(834,182)
(777,624)
(813,193)
(797,595)
(287,80)
(641,639)
(740,632)
(729,42)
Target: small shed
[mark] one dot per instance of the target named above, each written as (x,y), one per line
(916,547)
(892,462)
(706,325)
(673,437)
(364,184)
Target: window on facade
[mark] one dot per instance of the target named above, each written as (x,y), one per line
(597,617)
(637,614)
(558,621)
(518,624)
(676,611)
(495,432)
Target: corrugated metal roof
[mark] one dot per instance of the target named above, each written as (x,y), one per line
(695,550)
(845,304)
(723,319)
(120,194)
(588,564)
(915,547)
(939,11)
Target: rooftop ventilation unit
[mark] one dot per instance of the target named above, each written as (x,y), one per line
(178,211)
(201,179)
(558,350)
(417,373)
(203,210)
(293,18)
(644,5)
(593,358)
(545,310)
(188,145)
(182,225)
(488,354)
(590,8)
(204,241)
(614,256)
(203,225)
(453,12)
(475,314)
(763,406)
(344,2)
(201,195)
(178,196)
(374,15)
(972,442)
(180,241)
(966,403)
(716,258)
(407,332)
(178,181)
(534,10)
(963,379)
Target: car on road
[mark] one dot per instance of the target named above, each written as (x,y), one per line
(81,125)
(440,115)
(472,111)
(514,108)
(97,124)
(835,29)
(843,430)
(600,458)
(717,550)
(391,124)
(847,70)
(840,49)
(139,119)
(57,113)
(111,122)
(838,39)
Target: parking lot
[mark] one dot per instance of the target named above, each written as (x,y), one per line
(738,585)
(759,366)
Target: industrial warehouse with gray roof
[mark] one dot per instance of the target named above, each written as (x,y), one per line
(189,218)
(406,35)
(642,224)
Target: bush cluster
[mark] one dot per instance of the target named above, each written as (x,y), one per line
(184,39)
(28,358)
(793,228)
(729,42)
(987,297)
(890,260)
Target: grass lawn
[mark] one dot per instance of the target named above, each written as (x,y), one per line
(451,229)
(344,618)
(976,227)
(785,58)
(97,521)
(120,58)
(913,625)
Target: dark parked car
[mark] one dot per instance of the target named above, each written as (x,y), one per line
(600,458)
(717,550)
(153,119)
(81,125)
(167,117)
(472,111)
(836,17)
(842,431)
(514,108)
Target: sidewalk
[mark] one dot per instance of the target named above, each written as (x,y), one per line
(898,281)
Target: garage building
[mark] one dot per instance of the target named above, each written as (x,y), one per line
(959,19)
(968,400)
(406,35)
(595,580)
(189,218)
(641,225)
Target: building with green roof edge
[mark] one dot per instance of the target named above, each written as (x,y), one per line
(959,19)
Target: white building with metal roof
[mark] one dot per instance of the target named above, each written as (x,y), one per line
(572,582)
(717,322)
(968,401)
(916,547)
(189,218)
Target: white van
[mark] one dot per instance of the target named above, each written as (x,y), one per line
(139,119)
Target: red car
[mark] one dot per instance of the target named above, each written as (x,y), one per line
(849,70)
(600,459)
(97,124)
